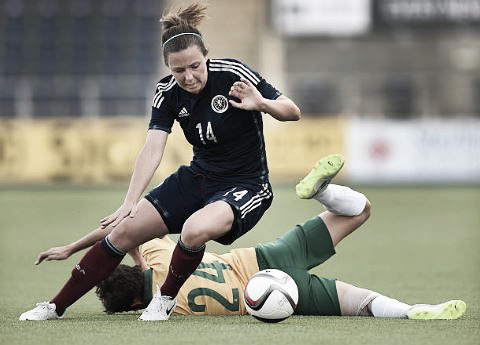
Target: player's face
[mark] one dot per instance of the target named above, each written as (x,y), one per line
(189,68)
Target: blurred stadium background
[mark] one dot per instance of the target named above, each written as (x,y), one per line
(392,84)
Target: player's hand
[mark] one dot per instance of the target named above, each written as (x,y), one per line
(128,209)
(55,253)
(250,98)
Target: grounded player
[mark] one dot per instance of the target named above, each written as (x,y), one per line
(224,191)
(217,285)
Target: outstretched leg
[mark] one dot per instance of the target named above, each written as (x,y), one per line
(355,301)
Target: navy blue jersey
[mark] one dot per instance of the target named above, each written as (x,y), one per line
(227,142)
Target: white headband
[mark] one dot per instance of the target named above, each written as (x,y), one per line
(177,35)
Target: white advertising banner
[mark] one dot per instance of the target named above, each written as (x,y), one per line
(392,12)
(414,151)
(325,17)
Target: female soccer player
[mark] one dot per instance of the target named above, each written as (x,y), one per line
(224,191)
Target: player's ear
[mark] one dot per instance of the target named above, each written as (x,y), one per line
(138,303)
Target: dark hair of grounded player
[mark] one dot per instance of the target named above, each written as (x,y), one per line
(121,289)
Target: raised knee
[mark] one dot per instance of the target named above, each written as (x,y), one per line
(122,238)
(365,214)
(194,235)
(367,210)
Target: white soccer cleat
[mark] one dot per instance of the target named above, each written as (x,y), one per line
(160,308)
(446,311)
(43,311)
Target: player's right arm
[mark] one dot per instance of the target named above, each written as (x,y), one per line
(63,252)
(145,165)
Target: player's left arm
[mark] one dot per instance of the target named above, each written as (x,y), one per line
(282,108)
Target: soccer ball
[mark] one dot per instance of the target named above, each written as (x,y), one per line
(271,295)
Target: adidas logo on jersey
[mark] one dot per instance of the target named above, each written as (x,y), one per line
(183,113)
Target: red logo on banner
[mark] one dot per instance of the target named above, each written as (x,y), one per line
(379,150)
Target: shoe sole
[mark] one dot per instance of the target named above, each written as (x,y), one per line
(446,311)
(27,318)
(153,319)
(320,176)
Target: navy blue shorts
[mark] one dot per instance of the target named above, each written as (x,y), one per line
(185,192)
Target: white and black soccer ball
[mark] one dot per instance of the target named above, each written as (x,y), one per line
(271,295)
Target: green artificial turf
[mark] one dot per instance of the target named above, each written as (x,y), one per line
(420,245)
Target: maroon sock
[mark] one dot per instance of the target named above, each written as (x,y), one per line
(96,265)
(184,262)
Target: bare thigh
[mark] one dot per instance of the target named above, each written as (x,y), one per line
(146,225)
(209,223)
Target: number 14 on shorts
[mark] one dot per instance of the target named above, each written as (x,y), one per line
(238,195)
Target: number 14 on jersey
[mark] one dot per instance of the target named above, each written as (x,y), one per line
(208,135)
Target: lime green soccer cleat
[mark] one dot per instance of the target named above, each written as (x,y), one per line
(446,311)
(320,176)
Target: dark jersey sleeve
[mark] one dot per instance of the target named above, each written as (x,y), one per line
(239,70)
(265,88)
(162,114)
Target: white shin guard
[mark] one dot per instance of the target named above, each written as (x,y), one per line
(342,200)
(355,302)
